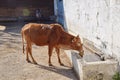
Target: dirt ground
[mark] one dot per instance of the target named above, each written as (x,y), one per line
(13,65)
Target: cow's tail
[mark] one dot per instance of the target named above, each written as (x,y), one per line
(23,41)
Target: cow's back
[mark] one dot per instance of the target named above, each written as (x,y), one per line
(39,33)
(42,34)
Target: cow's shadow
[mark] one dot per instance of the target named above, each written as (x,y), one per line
(64,72)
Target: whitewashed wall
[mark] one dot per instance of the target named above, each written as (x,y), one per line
(97,21)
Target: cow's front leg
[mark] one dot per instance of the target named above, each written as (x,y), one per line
(58,55)
(50,54)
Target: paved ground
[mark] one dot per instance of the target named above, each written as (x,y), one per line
(13,65)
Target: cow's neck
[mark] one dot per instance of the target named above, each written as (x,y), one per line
(66,38)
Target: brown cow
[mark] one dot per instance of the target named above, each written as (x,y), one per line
(52,35)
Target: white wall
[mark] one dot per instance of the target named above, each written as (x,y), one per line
(97,21)
(115,23)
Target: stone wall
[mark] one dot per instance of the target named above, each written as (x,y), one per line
(95,20)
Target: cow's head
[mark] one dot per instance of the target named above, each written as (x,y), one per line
(77,45)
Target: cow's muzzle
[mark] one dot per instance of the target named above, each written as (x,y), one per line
(81,53)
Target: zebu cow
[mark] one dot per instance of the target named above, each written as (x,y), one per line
(52,35)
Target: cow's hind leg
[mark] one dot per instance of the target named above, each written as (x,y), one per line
(27,56)
(30,51)
(50,54)
(58,55)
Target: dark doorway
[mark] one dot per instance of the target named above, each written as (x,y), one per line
(25,9)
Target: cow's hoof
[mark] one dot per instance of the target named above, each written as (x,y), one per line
(35,63)
(50,64)
(28,61)
(61,64)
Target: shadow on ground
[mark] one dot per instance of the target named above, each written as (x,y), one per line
(62,71)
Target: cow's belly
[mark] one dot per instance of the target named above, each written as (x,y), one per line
(40,40)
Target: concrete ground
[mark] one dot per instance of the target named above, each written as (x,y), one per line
(13,65)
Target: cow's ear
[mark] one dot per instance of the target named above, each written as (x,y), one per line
(82,44)
(74,39)
(78,36)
